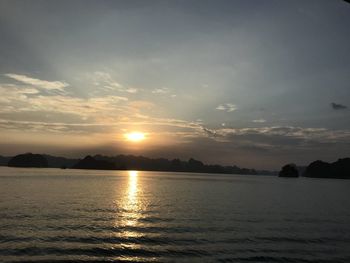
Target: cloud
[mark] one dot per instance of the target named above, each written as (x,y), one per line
(17,99)
(160,91)
(141,105)
(121,89)
(179,130)
(107,81)
(107,114)
(228,107)
(14,89)
(38,83)
(277,136)
(11,93)
(210,132)
(221,107)
(131,90)
(336,106)
(99,76)
(55,127)
(259,121)
(97,107)
(28,104)
(113,86)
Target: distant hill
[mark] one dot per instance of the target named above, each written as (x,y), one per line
(28,160)
(131,162)
(319,169)
(4,160)
(53,161)
(289,170)
(91,163)
(60,162)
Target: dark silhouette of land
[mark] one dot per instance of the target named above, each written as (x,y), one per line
(60,162)
(289,170)
(4,160)
(131,162)
(319,169)
(91,163)
(28,160)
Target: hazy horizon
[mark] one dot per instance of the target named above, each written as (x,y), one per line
(256,84)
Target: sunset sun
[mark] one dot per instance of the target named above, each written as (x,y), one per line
(135,136)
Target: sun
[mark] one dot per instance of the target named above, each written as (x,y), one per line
(135,136)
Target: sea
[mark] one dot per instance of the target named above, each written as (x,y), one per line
(65,215)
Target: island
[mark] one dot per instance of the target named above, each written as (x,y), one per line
(28,160)
(91,163)
(338,170)
(142,163)
(317,169)
(289,170)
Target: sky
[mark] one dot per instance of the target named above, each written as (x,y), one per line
(253,83)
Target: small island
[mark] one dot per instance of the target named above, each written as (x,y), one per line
(319,169)
(28,160)
(289,170)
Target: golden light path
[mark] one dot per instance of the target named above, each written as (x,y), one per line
(131,212)
(132,189)
(135,136)
(130,203)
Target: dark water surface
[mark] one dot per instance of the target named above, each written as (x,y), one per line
(53,215)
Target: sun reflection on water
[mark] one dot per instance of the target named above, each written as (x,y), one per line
(131,209)
(132,190)
(132,206)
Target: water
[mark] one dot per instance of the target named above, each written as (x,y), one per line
(53,215)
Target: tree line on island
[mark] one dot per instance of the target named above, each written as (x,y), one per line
(124,162)
(317,169)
